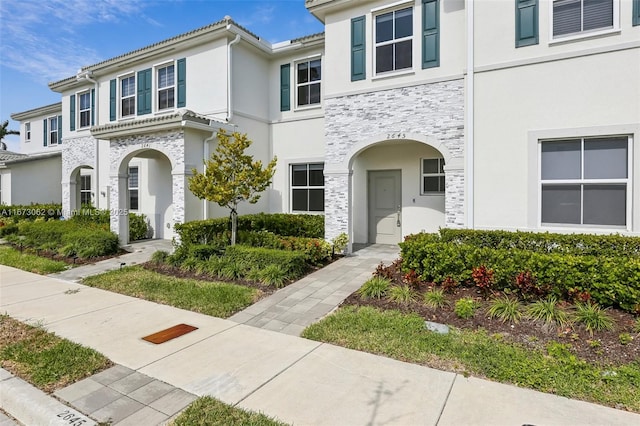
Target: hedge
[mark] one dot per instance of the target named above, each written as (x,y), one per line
(546,242)
(283,224)
(293,263)
(609,280)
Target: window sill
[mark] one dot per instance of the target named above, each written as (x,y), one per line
(164,111)
(306,212)
(584,36)
(393,74)
(432,194)
(308,107)
(567,227)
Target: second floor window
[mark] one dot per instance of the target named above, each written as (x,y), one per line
(166,87)
(53,131)
(308,82)
(578,16)
(27,132)
(394,40)
(128,96)
(85,109)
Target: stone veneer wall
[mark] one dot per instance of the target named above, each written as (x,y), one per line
(76,152)
(171,144)
(434,110)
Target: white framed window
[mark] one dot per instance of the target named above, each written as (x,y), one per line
(84,109)
(134,182)
(85,190)
(578,17)
(432,171)
(27,132)
(307,187)
(53,131)
(308,82)
(166,84)
(585,181)
(127,96)
(393,34)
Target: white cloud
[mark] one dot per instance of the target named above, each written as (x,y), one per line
(44,38)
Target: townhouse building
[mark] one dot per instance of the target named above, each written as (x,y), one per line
(402,116)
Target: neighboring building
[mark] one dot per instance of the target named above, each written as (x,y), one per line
(33,175)
(403,116)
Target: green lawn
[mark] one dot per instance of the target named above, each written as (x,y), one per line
(211,298)
(29,262)
(207,411)
(43,359)
(403,337)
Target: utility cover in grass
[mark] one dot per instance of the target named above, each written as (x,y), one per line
(436,327)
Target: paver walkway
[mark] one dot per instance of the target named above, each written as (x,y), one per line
(293,308)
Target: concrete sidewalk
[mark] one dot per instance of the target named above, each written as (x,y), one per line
(296,380)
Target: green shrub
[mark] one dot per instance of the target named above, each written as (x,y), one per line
(506,309)
(91,215)
(159,257)
(402,294)
(293,263)
(548,312)
(138,227)
(610,281)
(593,317)
(8,229)
(625,338)
(31,212)
(465,308)
(340,243)
(273,275)
(434,298)
(232,269)
(204,252)
(375,287)
(89,243)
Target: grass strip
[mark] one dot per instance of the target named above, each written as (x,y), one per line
(43,359)
(29,262)
(210,298)
(211,412)
(558,371)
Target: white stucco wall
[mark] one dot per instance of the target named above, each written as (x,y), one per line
(338,50)
(561,98)
(419,212)
(35,145)
(35,181)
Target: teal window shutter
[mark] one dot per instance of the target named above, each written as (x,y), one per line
(59,129)
(182,83)
(72,112)
(44,124)
(112,99)
(636,12)
(358,52)
(526,22)
(430,33)
(144,92)
(285,87)
(93,107)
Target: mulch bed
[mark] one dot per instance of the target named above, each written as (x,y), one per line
(53,255)
(603,347)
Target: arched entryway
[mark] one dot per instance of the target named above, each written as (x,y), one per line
(390,186)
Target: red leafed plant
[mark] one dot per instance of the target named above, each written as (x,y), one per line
(412,279)
(449,285)
(483,278)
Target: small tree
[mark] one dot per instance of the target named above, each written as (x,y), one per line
(231,176)
(4,131)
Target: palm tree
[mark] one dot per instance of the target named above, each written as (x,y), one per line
(4,132)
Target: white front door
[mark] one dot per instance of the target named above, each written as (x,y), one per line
(385,206)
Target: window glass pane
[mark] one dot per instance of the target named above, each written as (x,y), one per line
(303,95)
(133,199)
(430,165)
(431,183)
(441,184)
(128,106)
(299,199)
(384,58)
(384,27)
(561,204)
(316,175)
(85,101)
(567,17)
(315,70)
(403,55)
(133,177)
(299,175)
(303,72)
(441,165)
(597,14)
(85,118)
(561,159)
(314,93)
(53,124)
(316,200)
(605,205)
(404,23)
(85,182)
(605,158)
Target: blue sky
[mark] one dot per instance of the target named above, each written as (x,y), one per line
(48,40)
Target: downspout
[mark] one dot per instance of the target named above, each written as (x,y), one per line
(470,115)
(229,57)
(87,76)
